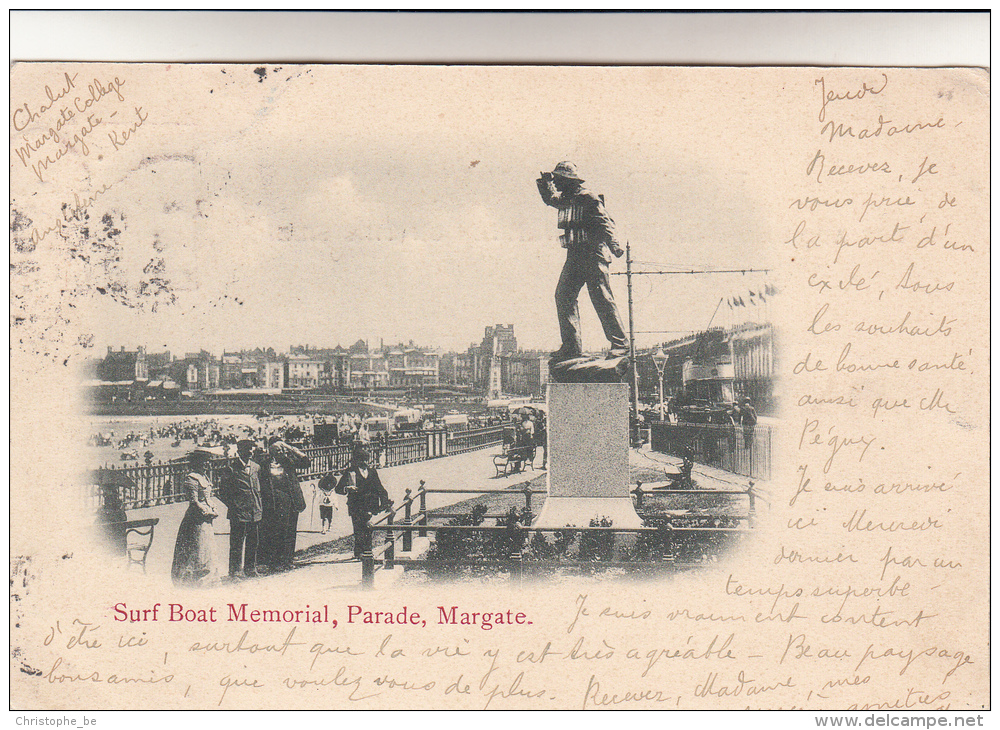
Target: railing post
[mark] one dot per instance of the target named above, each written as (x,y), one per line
(638,495)
(145,487)
(367,570)
(390,545)
(423,509)
(408,533)
(752,517)
(516,569)
(527,496)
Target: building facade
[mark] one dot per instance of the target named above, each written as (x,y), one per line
(754,367)
(412,366)
(525,373)
(232,370)
(303,371)
(270,374)
(204,372)
(124,365)
(368,370)
(718,365)
(493,366)
(498,340)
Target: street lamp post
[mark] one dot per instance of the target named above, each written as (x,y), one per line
(660,360)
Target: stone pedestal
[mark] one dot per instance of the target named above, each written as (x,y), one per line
(587,456)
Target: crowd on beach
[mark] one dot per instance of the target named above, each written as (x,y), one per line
(157,441)
(206,432)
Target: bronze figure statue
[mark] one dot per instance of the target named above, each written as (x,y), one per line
(588,235)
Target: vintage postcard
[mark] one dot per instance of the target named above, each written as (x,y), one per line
(309,409)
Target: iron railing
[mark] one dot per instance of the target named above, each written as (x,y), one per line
(672,535)
(324,460)
(460,442)
(151,485)
(737,449)
(406,450)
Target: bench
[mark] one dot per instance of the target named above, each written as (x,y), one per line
(507,463)
(680,479)
(137,550)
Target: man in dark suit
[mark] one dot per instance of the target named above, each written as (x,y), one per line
(365,497)
(240,492)
(588,235)
(748,419)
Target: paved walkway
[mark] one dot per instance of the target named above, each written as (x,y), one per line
(705,477)
(473,471)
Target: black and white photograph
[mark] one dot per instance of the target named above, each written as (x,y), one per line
(320,386)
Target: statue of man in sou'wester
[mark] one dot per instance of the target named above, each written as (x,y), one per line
(587,233)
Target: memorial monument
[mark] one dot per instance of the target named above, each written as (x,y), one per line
(588,400)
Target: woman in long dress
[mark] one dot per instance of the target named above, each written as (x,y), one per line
(289,460)
(194,554)
(273,527)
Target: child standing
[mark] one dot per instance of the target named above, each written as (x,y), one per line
(326,485)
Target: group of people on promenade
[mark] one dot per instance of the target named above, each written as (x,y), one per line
(261,491)
(263,498)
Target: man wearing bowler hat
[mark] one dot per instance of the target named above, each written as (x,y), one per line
(365,497)
(240,492)
(588,235)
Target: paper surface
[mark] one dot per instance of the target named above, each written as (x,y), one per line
(237,206)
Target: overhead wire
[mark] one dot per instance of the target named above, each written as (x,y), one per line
(694,271)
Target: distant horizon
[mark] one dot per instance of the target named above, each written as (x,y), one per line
(131,347)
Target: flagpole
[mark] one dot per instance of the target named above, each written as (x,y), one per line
(714,313)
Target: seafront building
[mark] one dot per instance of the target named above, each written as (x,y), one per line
(719,365)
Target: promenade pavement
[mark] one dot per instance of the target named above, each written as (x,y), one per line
(705,477)
(473,470)
(470,471)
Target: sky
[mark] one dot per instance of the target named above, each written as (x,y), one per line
(320,204)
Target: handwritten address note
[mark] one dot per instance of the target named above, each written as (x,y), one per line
(67,119)
(885,252)
(73,139)
(864,584)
